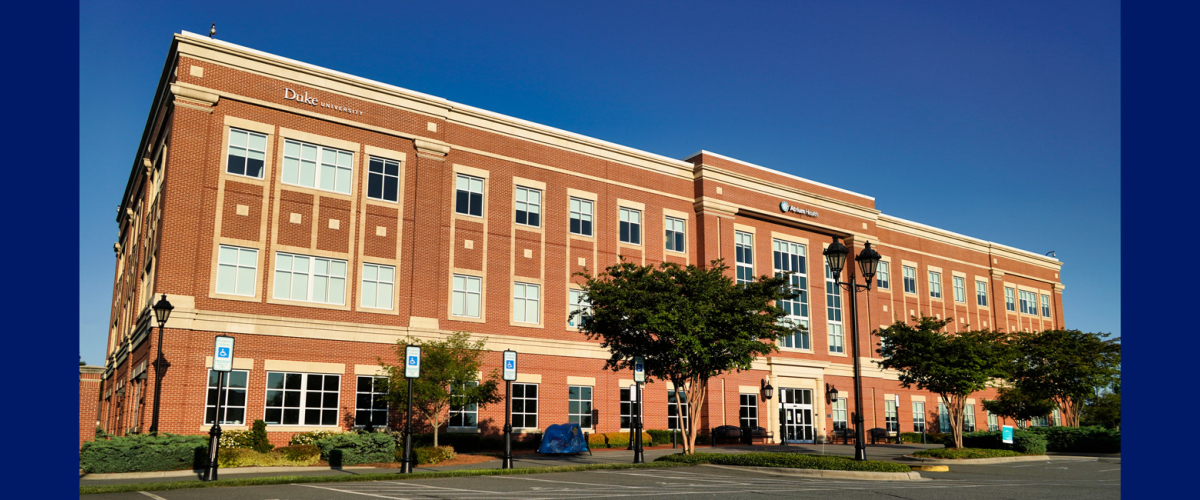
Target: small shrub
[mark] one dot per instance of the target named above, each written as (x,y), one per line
(352,448)
(100,434)
(960,453)
(787,460)
(143,453)
(660,437)
(615,439)
(236,439)
(430,455)
(258,437)
(306,453)
(311,437)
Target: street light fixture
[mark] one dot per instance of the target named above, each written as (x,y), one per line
(831,393)
(868,261)
(162,311)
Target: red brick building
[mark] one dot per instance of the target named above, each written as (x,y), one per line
(89,401)
(318,217)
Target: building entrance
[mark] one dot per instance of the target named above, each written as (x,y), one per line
(795,407)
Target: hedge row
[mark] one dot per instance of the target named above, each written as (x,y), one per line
(957,453)
(1024,442)
(787,460)
(299,455)
(429,455)
(353,448)
(616,440)
(144,453)
(1080,439)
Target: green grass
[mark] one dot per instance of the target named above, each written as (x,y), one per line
(787,460)
(384,476)
(956,453)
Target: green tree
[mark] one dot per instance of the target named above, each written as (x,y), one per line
(1066,366)
(689,323)
(449,366)
(1103,408)
(951,365)
(1013,403)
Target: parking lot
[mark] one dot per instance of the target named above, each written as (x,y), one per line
(1088,479)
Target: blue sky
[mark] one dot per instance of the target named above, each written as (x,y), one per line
(1001,122)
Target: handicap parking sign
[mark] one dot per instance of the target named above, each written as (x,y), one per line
(412,367)
(510,365)
(639,369)
(223,354)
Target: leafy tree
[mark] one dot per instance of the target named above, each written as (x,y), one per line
(951,365)
(447,366)
(258,437)
(689,323)
(1013,403)
(1066,366)
(1103,408)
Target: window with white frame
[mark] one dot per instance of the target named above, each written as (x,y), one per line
(302,399)
(969,418)
(1009,303)
(960,289)
(233,408)
(910,279)
(236,270)
(631,226)
(743,249)
(881,275)
(748,410)
(318,167)
(378,281)
(675,231)
(935,284)
(981,293)
(383,179)
(1045,305)
(579,405)
(790,258)
(1040,421)
(833,311)
(524,406)
(627,407)
(918,416)
(466,296)
(468,195)
(247,153)
(370,403)
(1056,416)
(943,418)
(581,216)
(891,415)
(526,297)
(310,279)
(463,416)
(993,422)
(529,207)
(577,302)
(1028,302)
(839,414)
(677,407)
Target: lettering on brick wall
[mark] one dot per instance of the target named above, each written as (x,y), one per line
(785,207)
(292,95)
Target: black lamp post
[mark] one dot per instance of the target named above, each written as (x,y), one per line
(768,392)
(162,311)
(868,261)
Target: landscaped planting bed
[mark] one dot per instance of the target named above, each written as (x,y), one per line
(957,453)
(786,460)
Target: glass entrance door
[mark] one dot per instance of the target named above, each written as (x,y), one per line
(796,413)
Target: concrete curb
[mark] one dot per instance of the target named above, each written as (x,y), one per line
(829,474)
(979,461)
(193,473)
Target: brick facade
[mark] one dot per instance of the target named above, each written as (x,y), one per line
(89,401)
(181,205)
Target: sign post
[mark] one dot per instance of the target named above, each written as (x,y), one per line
(412,370)
(222,364)
(639,377)
(510,374)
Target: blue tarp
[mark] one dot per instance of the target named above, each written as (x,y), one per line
(563,438)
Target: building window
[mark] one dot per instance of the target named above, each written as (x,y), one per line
(677,407)
(524,406)
(310,279)
(631,226)
(1056,416)
(969,418)
(318,167)
(993,422)
(910,279)
(626,409)
(577,301)
(234,405)
(839,414)
(463,416)
(790,258)
(236,269)
(748,410)
(383,179)
(935,284)
(743,249)
(468,195)
(1040,421)
(466,296)
(302,399)
(377,286)
(943,418)
(370,405)
(981,293)
(891,415)
(529,207)
(579,405)
(833,311)
(881,275)
(1028,302)
(1008,299)
(675,233)
(525,302)
(1045,305)
(581,217)
(247,153)
(960,289)
(918,416)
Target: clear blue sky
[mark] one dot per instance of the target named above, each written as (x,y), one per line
(1000,121)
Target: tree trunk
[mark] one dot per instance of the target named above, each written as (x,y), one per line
(956,406)
(697,393)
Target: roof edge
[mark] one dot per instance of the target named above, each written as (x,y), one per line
(773,171)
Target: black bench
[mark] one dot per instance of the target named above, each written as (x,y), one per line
(884,435)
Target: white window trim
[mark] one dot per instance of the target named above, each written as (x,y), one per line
(225,402)
(669,221)
(591,405)
(229,144)
(238,268)
(801,273)
(303,400)
(466,294)
(318,163)
(590,213)
(357,392)
(363,281)
(524,302)
(831,324)
(312,267)
(621,211)
(399,172)
(541,200)
(482,195)
(537,413)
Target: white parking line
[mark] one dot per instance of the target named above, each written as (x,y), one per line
(351,491)
(572,482)
(151,495)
